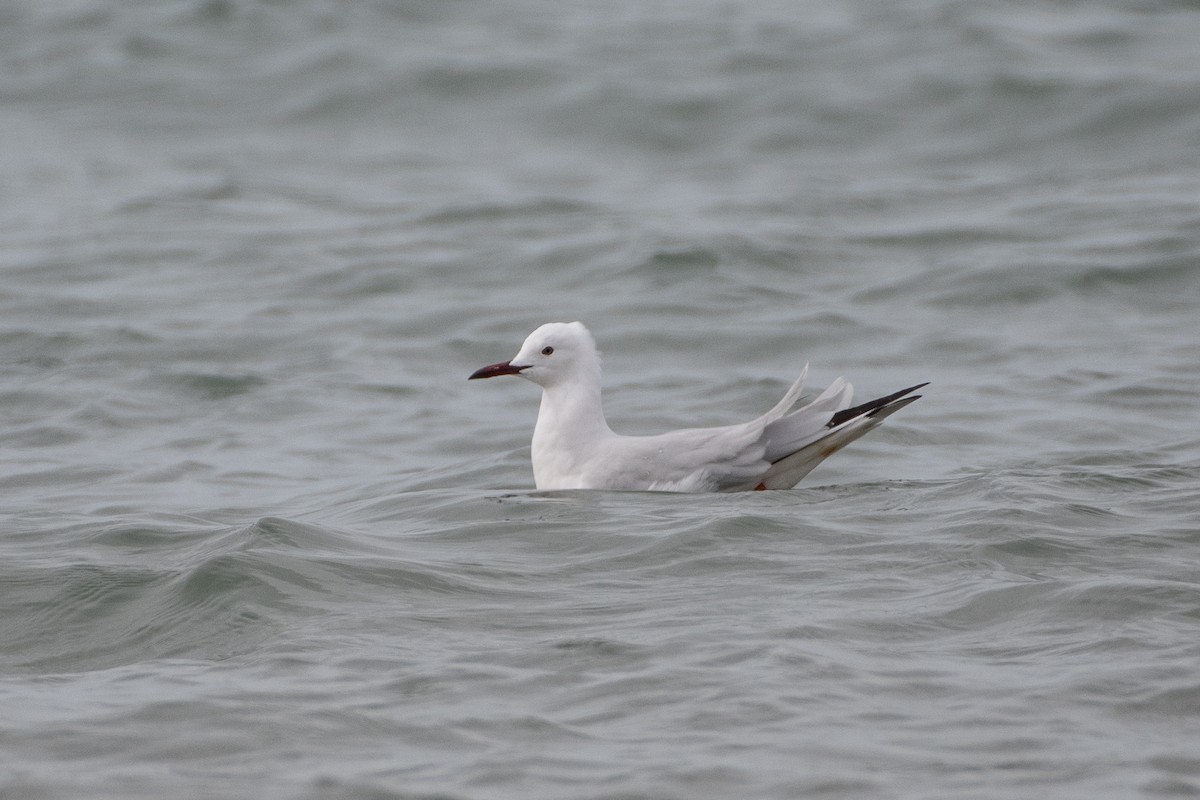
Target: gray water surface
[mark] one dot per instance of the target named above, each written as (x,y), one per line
(260,538)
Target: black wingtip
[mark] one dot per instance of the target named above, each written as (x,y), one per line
(870,407)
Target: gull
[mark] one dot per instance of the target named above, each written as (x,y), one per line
(573,447)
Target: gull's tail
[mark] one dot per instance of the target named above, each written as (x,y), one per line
(806,437)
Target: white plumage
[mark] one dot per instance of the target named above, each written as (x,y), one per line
(573,447)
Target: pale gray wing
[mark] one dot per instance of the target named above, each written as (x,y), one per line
(690,460)
(839,430)
(787,434)
(735,457)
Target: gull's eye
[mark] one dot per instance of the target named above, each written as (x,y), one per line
(547,350)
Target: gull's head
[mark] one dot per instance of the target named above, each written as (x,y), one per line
(554,353)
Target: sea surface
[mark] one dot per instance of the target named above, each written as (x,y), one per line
(260,538)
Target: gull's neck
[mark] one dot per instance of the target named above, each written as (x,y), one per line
(570,424)
(572,410)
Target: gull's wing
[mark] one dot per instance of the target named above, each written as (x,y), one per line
(699,459)
(772,452)
(693,459)
(803,439)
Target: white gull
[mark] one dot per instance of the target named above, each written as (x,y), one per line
(573,447)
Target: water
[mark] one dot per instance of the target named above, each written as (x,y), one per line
(262,539)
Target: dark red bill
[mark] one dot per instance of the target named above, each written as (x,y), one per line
(492,370)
